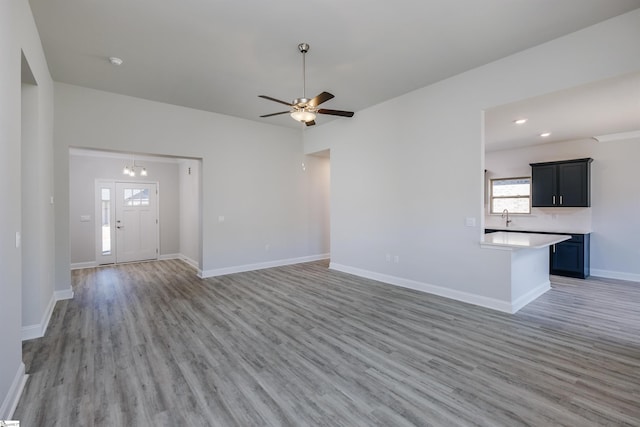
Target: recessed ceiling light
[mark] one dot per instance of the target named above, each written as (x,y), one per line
(545,134)
(520,121)
(115,60)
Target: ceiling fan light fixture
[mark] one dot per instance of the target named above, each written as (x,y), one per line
(303,115)
(304,109)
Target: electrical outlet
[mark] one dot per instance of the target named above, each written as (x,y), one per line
(220,218)
(396,259)
(267,247)
(388,257)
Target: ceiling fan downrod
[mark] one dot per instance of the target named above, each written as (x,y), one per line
(304,48)
(304,109)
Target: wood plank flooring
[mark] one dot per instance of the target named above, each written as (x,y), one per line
(151,344)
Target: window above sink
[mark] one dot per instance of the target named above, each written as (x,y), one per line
(512,194)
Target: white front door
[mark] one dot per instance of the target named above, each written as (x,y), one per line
(136,221)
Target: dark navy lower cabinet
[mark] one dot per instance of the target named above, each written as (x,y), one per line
(571,257)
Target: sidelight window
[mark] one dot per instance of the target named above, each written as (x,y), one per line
(105,210)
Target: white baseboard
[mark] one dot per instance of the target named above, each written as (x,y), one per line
(64,294)
(492,303)
(12,398)
(81,265)
(191,262)
(259,266)
(530,296)
(31,332)
(37,331)
(619,275)
(181,257)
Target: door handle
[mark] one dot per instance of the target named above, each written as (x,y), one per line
(120,226)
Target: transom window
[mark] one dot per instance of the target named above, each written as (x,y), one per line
(513,194)
(136,197)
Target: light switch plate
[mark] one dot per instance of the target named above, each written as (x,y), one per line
(470,222)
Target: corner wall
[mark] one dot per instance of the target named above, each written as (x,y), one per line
(190,211)
(408,173)
(18,34)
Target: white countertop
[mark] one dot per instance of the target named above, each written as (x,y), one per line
(522,240)
(538,229)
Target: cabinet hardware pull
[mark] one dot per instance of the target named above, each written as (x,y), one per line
(560,199)
(554,249)
(554,200)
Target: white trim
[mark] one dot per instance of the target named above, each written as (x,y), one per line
(37,331)
(191,262)
(64,294)
(618,136)
(169,256)
(13,395)
(619,275)
(259,266)
(81,265)
(127,157)
(480,300)
(530,296)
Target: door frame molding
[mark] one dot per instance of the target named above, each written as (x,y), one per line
(100,183)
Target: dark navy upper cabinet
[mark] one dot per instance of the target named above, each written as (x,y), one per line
(561,184)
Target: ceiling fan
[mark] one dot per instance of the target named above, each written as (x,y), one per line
(304,109)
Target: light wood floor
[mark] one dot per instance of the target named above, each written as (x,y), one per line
(150,344)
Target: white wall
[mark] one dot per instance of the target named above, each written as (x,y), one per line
(83,172)
(614,215)
(318,171)
(18,32)
(190,212)
(251,172)
(405,174)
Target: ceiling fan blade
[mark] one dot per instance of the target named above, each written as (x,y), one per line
(336,112)
(275,100)
(275,114)
(323,97)
(310,123)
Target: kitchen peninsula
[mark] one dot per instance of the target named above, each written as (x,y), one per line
(529,276)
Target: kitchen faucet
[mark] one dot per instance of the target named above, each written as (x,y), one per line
(506,213)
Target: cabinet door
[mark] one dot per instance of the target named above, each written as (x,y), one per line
(573,185)
(543,186)
(568,257)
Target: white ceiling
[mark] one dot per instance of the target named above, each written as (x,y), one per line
(219,55)
(610,106)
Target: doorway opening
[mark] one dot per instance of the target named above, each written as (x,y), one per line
(96,204)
